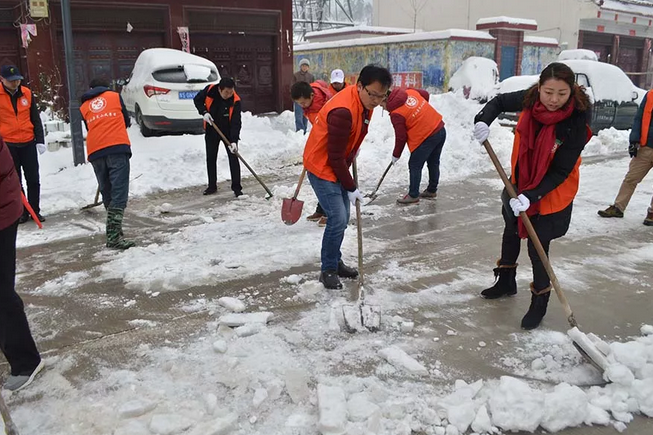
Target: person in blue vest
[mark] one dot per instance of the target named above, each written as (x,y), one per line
(641,153)
(220,105)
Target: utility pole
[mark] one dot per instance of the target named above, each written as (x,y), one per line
(73,104)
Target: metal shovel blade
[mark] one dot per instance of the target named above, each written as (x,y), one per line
(371,316)
(291,210)
(360,318)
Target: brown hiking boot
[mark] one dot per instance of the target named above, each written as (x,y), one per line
(407,199)
(649,219)
(611,211)
(315,217)
(322,222)
(428,195)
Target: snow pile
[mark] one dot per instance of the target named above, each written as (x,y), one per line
(516,83)
(197,73)
(477,77)
(608,82)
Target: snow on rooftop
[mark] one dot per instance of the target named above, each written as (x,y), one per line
(631,6)
(361,29)
(413,37)
(540,40)
(510,20)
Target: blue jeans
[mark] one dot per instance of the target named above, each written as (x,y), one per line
(301,122)
(334,200)
(428,152)
(112,173)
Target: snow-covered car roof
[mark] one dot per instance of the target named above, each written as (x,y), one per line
(608,82)
(516,83)
(479,75)
(578,54)
(158,58)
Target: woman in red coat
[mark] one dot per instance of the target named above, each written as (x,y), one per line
(16,340)
(550,136)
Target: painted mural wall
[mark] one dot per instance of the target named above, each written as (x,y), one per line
(536,58)
(426,64)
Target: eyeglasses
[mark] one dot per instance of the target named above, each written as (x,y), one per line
(375,96)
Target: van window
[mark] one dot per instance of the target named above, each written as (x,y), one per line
(177,75)
(582,80)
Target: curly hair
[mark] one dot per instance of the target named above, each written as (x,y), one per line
(558,71)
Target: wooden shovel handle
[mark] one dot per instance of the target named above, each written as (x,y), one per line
(299,184)
(533,236)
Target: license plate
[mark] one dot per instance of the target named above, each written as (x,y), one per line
(187,95)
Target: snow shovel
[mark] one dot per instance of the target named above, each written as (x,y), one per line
(95,203)
(360,317)
(373,195)
(30,210)
(224,138)
(291,208)
(586,347)
(10,427)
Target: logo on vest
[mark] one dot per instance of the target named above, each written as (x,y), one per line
(411,101)
(24,102)
(98,105)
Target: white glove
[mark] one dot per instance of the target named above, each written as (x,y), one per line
(395,159)
(519,204)
(208,118)
(481,131)
(41,148)
(233,147)
(355,195)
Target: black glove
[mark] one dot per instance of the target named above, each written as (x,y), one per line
(632,149)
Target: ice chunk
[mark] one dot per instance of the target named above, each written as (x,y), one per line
(220,426)
(332,406)
(248,329)
(220,346)
(406,327)
(259,397)
(169,424)
(360,407)
(401,359)
(646,330)
(515,406)
(232,304)
(297,385)
(482,422)
(133,427)
(135,408)
(565,406)
(240,319)
(210,403)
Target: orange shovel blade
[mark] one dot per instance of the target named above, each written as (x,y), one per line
(291,210)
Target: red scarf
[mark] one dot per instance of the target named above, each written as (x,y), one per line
(536,149)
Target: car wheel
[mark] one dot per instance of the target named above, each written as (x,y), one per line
(146,132)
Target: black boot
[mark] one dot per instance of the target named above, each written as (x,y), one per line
(23,218)
(537,310)
(346,271)
(505,284)
(330,279)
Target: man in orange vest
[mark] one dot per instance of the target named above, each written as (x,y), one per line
(108,149)
(330,150)
(21,128)
(415,121)
(641,153)
(220,105)
(311,97)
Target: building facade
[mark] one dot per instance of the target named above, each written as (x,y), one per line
(249,40)
(619,31)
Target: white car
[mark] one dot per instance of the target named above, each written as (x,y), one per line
(160,90)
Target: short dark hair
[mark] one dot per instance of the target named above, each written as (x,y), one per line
(227,82)
(99,82)
(375,73)
(301,90)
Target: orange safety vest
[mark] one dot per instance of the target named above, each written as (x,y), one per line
(646,118)
(105,122)
(316,155)
(560,197)
(421,118)
(208,101)
(319,101)
(16,127)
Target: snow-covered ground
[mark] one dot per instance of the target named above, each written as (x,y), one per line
(304,377)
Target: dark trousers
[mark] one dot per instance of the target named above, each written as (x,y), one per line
(547,227)
(16,340)
(112,173)
(26,157)
(212,145)
(428,152)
